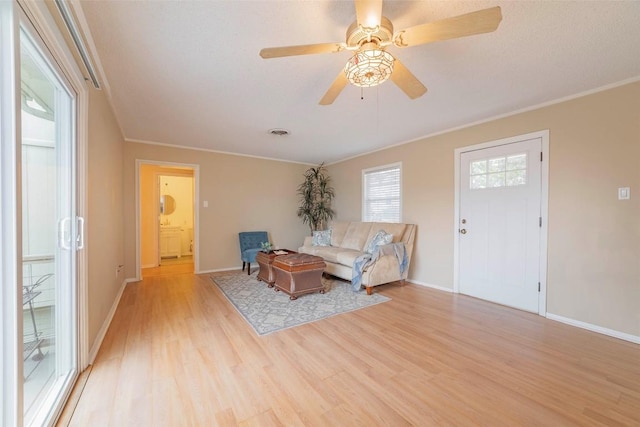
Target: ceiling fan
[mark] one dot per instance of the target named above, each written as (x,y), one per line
(370,35)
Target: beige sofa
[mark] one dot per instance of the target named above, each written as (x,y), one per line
(350,239)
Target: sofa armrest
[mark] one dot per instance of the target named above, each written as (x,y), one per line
(308,240)
(386,269)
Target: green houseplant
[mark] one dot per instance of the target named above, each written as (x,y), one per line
(316,195)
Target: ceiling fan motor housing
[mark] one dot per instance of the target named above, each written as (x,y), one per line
(357,35)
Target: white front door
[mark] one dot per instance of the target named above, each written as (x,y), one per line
(500,223)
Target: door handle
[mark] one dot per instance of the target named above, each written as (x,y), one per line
(463,231)
(63,241)
(80,233)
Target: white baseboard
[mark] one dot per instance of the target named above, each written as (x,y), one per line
(107,322)
(428,285)
(255,268)
(149,266)
(595,328)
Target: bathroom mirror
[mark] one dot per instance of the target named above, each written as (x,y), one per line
(167,205)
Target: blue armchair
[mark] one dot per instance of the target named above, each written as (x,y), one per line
(250,245)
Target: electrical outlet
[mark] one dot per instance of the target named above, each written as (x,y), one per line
(624,193)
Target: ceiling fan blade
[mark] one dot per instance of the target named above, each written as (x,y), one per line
(336,87)
(406,81)
(306,49)
(482,21)
(369,13)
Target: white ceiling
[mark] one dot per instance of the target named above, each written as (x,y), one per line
(188,73)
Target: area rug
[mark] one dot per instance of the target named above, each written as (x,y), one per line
(269,311)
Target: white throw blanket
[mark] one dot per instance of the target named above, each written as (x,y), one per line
(363,261)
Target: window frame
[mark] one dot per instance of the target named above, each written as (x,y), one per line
(365,172)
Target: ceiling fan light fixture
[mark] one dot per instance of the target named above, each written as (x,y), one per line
(369,67)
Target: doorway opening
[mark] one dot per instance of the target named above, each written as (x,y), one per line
(167,223)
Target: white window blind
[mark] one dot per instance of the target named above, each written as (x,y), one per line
(381,194)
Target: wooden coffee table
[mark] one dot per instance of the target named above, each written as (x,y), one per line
(299,274)
(265,262)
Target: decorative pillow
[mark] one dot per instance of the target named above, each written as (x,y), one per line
(380,238)
(321,238)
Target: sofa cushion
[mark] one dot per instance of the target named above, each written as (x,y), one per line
(321,238)
(338,229)
(329,253)
(356,236)
(347,257)
(395,229)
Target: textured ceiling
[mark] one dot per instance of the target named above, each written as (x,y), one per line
(188,73)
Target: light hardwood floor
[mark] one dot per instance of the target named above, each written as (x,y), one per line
(178,354)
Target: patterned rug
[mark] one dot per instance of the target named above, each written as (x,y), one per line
(269,311)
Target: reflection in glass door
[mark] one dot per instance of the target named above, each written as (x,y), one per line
(50,235)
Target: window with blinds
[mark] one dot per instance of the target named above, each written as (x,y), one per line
(381,198)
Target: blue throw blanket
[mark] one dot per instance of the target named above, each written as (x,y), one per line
(363,261)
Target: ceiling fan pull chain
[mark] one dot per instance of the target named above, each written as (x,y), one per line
(361,93)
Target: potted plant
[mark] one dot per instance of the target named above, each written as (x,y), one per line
(316,195)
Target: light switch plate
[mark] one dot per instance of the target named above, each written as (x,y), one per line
(205,204)
(624,193)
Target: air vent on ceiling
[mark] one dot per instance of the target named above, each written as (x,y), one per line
(279,132)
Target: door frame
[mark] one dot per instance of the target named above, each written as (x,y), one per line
(157,191)
(196,203)
(544,207)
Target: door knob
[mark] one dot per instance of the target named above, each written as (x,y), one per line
(463,231)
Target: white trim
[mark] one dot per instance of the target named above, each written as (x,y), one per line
(209,150)
(138,226)
(10,329)
(497,117)
(456,221)
(156,230)
(543,135)
(196,210)
(429,285)
(544,229)
(594,328)
(105,325)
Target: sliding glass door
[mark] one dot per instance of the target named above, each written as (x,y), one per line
(50,233)
(39,258)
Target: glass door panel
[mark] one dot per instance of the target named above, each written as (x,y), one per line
(48,235)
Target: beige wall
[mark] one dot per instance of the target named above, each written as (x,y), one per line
(594,239)
(105,248)
(244,194)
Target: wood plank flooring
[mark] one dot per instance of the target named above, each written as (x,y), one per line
(178,354)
